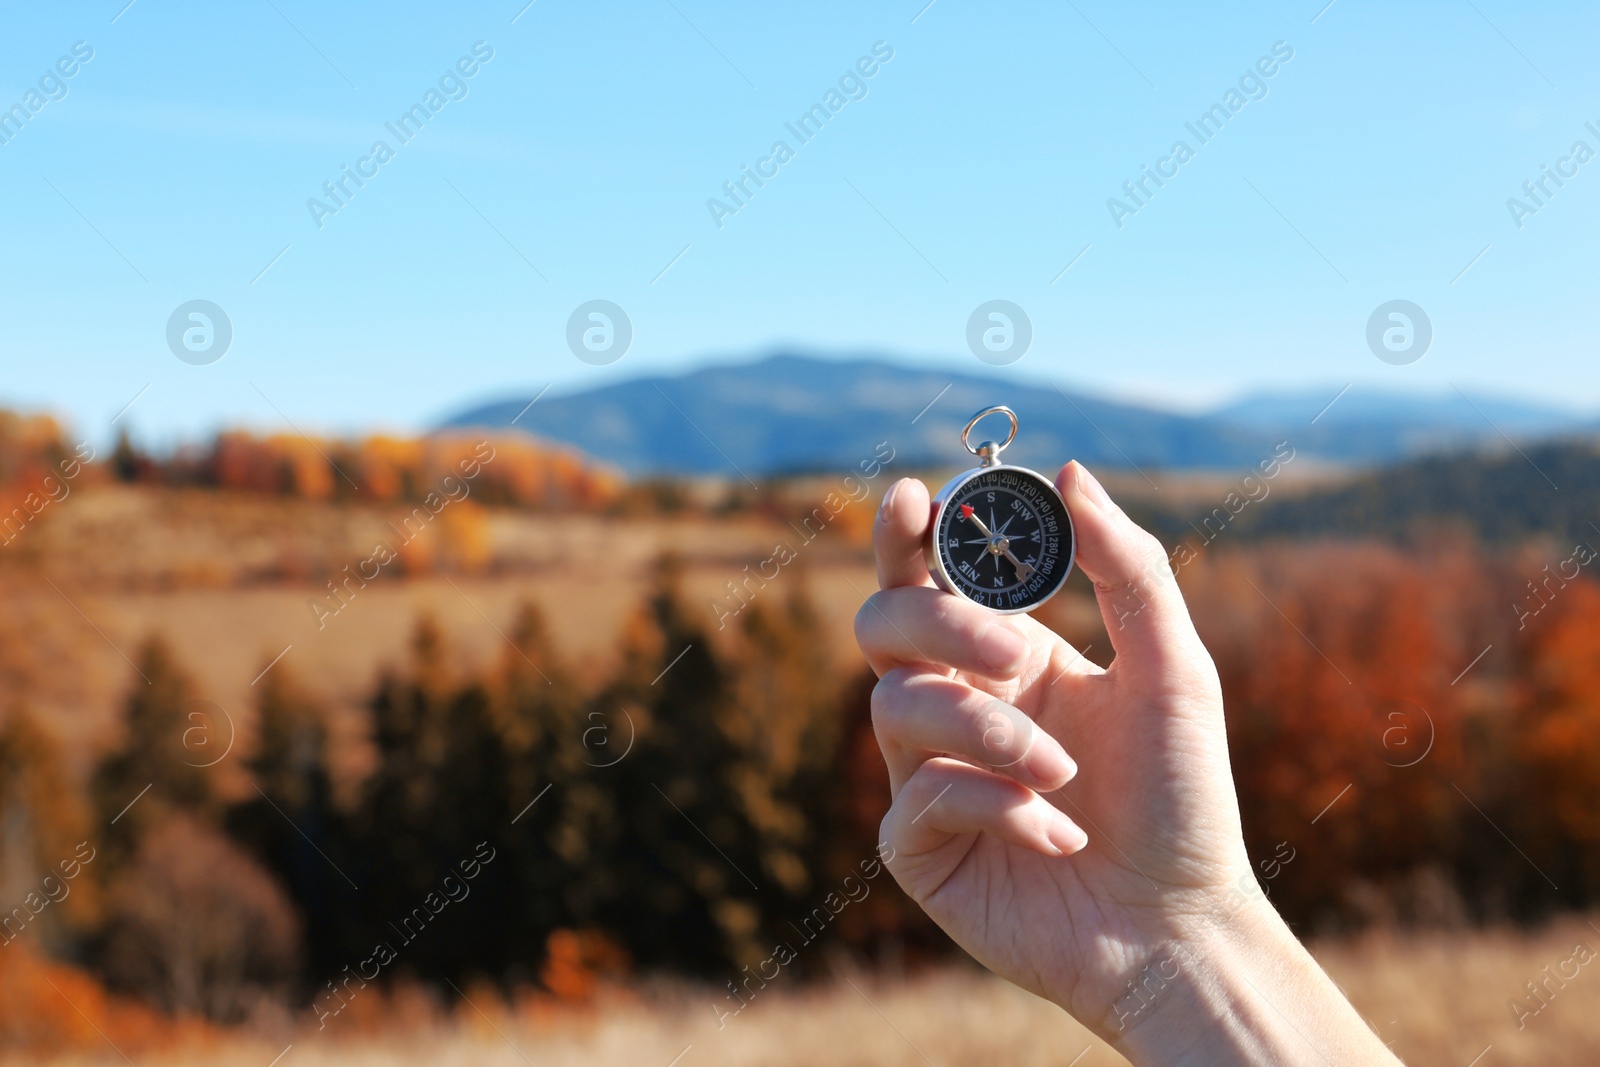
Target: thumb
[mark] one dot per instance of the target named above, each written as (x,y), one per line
(1141,605)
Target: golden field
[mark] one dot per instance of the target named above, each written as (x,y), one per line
(1438,999)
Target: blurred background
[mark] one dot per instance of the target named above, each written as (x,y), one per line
(439,448)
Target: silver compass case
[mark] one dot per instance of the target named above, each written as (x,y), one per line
(1038,559)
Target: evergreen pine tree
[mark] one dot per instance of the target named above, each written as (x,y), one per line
(290,822)
(555,826)
(683,879)
(440,788)
(151,774)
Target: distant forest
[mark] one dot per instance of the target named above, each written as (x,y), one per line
(1500,498)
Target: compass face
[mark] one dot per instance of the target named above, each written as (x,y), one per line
(1003,539)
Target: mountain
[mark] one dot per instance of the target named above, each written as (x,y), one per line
(792,413)
(1363,425)
(795,413)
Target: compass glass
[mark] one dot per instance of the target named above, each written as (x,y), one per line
(1004,539)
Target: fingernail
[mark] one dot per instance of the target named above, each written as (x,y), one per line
(1091,488)
(1066,835)
(888,500)
(1051,767)
(1002,648)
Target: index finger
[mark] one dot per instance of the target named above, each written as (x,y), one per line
(898,533)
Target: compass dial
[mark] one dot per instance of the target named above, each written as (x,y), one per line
(1003,539)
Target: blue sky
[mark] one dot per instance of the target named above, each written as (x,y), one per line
(978,164)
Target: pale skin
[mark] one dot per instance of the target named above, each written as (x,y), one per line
(1114,891)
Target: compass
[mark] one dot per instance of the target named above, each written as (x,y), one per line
(1001,536)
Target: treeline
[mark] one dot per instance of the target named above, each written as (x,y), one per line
(39,460)
(521,472)
(1500,497)
(1415,737)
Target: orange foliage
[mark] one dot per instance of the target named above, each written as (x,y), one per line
(1337,665)
(579,962)
(37,468)
(1560,708)
(384,464)
(52,1009)
(281,463)
(521,472)
(855,522)
(28,443)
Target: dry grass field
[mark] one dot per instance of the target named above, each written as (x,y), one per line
(1437,999)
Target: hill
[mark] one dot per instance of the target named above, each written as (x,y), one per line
(790,413)
(1501,496)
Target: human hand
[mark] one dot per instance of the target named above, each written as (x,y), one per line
(1082,888)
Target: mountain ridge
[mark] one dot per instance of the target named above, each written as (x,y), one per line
(794,412)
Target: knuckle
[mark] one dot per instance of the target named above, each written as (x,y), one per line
(925,783)
(951,615)
(1147,569)
(868,622)
(994,730)
(860,625)
(889,698)
(1149,552)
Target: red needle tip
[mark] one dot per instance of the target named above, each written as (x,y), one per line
(966,511)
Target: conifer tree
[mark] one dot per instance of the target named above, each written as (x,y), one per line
(684,873)
(289,819)
(151,774)
(555,826)
(781,722)
(440,788)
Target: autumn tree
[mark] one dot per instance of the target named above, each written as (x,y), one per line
(197,926)
(1336,676)
(1557,743)
(42,823)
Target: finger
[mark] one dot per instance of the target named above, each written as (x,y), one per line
(945,799)
(917,715)
(898,533)
(922,625)
(1139,598)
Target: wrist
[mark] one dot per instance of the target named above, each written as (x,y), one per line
(1178,993)
(1238,991)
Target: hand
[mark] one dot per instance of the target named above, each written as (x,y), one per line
(1081,888)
